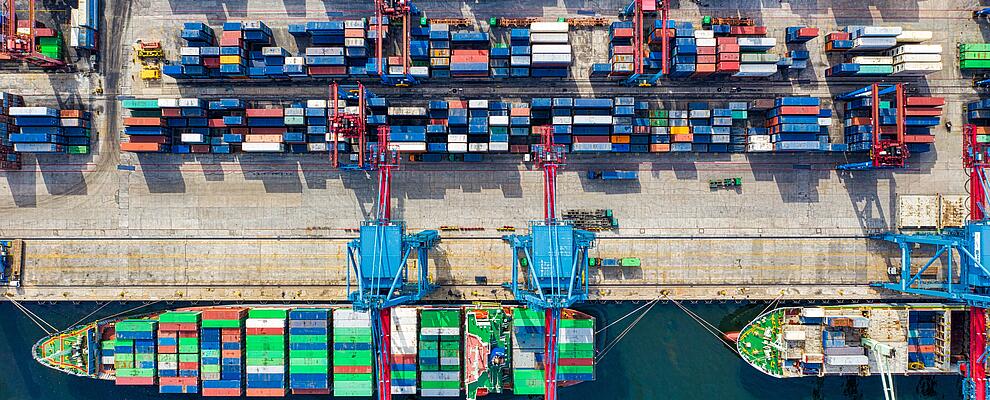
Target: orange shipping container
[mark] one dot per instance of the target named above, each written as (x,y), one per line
(70,114)
(135,121)
(620,139)
(919,139)
(353,33)
(263,138)
(682,138)
(659,148)
(519,112)
(140,147)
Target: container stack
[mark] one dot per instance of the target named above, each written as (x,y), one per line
(576,350)
(478,135)
(457,126)
(922,331)
(437,131)
(322,61)
(9,159)
(356,47)
(404,342)
(266,130)
(408,129)
(419,53)
(754,59)
(265,350)
(681,135)
(659,122)
(107,348)
(39,130)
(469,54)
(798,124)
(519,52)
(685,51)
(655,42)
(316,126)
(134,354)
(591,125)
(883,51)
(620,50)
(838,42)
(498,61)
(309,357)
(440,353)
(974,56)
(352,354)
(916,59)
(439,51)
(76,125)
(800,34)
(519,128)
(922,113)
(728,55)
(84,23)
(221,352)
(178,352)
(528,334)
(706,53)
(226,125)
(550,49)
(498,127)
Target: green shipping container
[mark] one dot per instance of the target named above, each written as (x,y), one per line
(440,385)
(575,369)
(968,47)
(136,372)
(576,347)
(527,382)
(975,55)
(168,358)
(179,317)
(137,104)
(77,149)
(307,369)
(974,64)
(268,313)
(308,339)
(577,323)
(188,357)
(135,325)
(209,368)
(218,323)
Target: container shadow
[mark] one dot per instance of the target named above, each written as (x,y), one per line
(23,184)
(211,166)
(278,175)
(63,178)
(607,187)
(871,210)
(216,14)
(162,172)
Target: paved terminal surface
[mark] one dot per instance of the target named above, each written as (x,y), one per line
(273,226)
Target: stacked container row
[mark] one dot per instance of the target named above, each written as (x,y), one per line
(528,349)
(352,354)
(922,113)
(440,353)
(84,24)
(134,352)
(49,130)
(404,342)
(265,344)
(883,51)
(9,158)
(221,351)
(178,352)
(309,357)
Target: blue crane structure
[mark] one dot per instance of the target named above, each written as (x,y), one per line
(635,11)
(404,10)
(884,152)
(966,278)
(379,258)
(550,264)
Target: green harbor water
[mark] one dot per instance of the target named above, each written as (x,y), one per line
(666,356)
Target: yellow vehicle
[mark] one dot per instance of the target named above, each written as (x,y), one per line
(149,72)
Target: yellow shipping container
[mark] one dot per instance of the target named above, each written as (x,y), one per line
(230,59)
(680,130)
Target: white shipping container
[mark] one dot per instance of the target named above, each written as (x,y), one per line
(350,109)
(550,48)
(324,51)
(477,148)
(450,361)
(32,112)
(562,120)
(482,104)
(914,36)
(457,147)
(165,365)
(190,102)
(706,42)
(106,360)
(755,70)
(903,58)
(354,42)
(407,111)
(419,72)
(677,114)
(80,16)
(74,36)
(916,68)
(591,147)
(543,27)
(264,322)
(758,139)
(881,31)
(396,389)
(700,114)
(168,103)
(445,331)
(433,376)
(917,49)
(700,34)
(409,147)
(353,322)
(295,60)
(874,43)
(850,360)
(395,70)
(265,369)
(794,335)
(573,338)
(192,138)
(523,359)
(351,315)
(498,146)
(871,60)
(316,103)
(498,120)
(548,38)
(756,42)
(262,147)
(824,121)
(189,51)
(759,147)
(354,24)
(439,392)
(316,147)
(456,138)
(593,120)
(295,112)
(551,59)
(621,58)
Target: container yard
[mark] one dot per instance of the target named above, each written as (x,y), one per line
(427,199)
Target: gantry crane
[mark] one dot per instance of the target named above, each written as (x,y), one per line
(15,46)
(344,126)
(378,259)
(885,152)
(636,10)
(550,264)
(403,10)
(966,280)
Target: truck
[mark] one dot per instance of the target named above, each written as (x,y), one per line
(609,175)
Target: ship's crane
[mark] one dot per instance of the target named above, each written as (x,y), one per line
(403,10)
(550,264)
(379,260)
(343,126)
(966,280)
(15,46)
(884,354)
(885,152)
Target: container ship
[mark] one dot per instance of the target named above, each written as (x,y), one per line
(793,342)
(263,350)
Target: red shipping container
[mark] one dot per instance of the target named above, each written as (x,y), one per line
(344,369)
(310,391)
(469,53)
(189,366)
(728,48)
(519,148)
(227,392)
(704,68)
(265,392)
(576,362)
(726,40)
(44,32)
(837,36)
(140,147)
(134,121)
(70,113)
(231,42)
(238,131)
(925,101)
(926,348)
(230,353)
(728,66)
(659,148)
(807,32)
(175,326)
(167,334)
(622,50)
(354,33)
(456,104)
(590,139)
(187,334)
(747,30)
(199,148)
(264,331)
(231,338)
(912,348)
(622,32)
(327,70)
(265,112)
(178,381)
(168,349)
(171,112)
(211,62)
(216,123)
(230,331)
(468,59)
(799,110)
(860,121)
(519,112)
(223,313)
(728,56)
(887,129)
(922,112)
(706,51)
(919,139)
(682,138)
(404,359)
(150,139)
(705,59)
(134,381)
